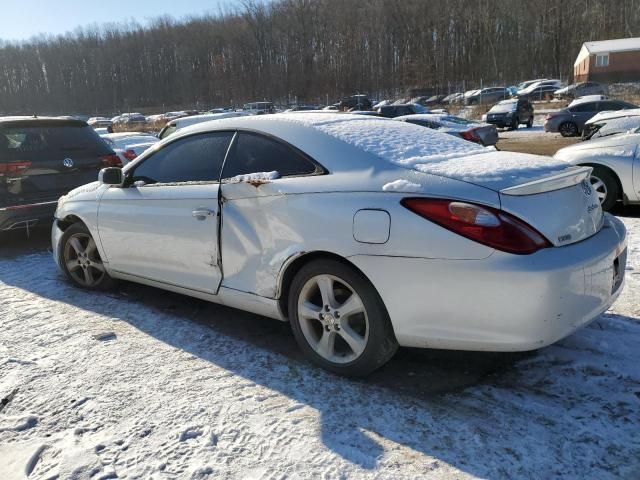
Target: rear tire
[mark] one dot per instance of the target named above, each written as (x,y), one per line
(606,186)
(339,320)
(568,129)
(80,260)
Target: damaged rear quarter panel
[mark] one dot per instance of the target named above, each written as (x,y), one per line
(265,226)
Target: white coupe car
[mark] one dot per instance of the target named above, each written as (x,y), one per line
(615,160)
(365,233)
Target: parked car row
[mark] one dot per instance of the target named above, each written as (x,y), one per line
(570,121)
(538,89)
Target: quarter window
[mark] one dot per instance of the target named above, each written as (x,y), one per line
(602,60)
(254,153)
(197,158)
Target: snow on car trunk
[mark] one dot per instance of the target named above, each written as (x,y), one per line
(553,196)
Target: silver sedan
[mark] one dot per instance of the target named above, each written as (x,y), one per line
(364,233)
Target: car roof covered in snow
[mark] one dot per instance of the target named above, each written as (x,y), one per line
(587,98)
(364,141)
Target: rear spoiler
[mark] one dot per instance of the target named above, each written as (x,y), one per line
(565,179)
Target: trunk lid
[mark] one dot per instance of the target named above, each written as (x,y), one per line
(554,197)
(563,207)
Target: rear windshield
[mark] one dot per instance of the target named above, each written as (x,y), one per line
(46,142)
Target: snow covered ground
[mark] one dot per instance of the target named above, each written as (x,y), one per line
(109,385)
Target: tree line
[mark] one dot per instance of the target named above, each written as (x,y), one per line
(304,51)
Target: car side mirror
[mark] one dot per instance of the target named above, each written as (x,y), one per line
(111,176)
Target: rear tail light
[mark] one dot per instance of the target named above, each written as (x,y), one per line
(471,135)
(130,154)
(111,160)
(486,225)
(11,169)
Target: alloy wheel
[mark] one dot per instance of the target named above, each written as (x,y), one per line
(333,319)
(82,260)
(568,129)
(600,188)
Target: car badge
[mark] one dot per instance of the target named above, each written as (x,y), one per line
(67,162)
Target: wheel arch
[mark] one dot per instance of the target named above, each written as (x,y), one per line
(615,175)
(69,220)
(295,263)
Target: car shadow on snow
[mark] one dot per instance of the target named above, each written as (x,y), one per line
(626,211)
(422,391)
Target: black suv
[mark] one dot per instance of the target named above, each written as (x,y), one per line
(510,113)
(42,159)
(392,111)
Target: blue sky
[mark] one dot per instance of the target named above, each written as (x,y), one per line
(22,19)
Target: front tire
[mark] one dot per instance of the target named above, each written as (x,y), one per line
(80,260)
(530,122)
(606,186)
(339,320)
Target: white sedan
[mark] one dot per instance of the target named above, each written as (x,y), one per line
(128,145)
(364,233)
(615,160)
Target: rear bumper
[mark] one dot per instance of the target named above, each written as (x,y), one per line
(25,216)
(504,302)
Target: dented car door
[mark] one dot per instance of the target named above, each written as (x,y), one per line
(256,238)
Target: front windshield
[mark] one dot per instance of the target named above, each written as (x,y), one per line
(168,130)
(504,106)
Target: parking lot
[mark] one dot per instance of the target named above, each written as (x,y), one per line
(142,383)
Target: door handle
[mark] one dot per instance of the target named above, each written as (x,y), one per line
(202,214)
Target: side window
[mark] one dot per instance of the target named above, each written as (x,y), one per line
(604,106)
(584,107)
(254,153)
(197,158)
